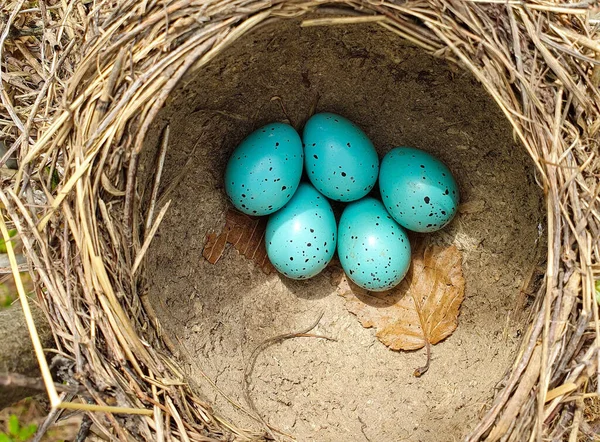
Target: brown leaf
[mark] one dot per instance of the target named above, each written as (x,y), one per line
(246,234)
(422,309)
(214,247)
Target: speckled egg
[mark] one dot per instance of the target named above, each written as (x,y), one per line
(340,160)
(264,171)
(373,249)
(417,189)
(301,237)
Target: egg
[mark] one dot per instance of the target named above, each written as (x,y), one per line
(264,171)
(417,189)
(340,160)
(373,249)
(301,237)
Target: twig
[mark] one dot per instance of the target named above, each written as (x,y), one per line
(521,395)
(513,380)
(577,418)
(573,343)
(130,198)
(84,429)
(35,338)
(101,108)
(148,240)
(178,420)
(254,355)
(177,180)
(343,20)
(3,96)
(42,93)
(159,168)
(233,403)
(19,380)
(362,429)
(50,419)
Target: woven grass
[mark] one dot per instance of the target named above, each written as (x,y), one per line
(80,85)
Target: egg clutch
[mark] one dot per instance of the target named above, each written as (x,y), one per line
(264,177)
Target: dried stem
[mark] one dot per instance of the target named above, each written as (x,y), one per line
(252,361)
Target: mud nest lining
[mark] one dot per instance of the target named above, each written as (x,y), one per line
(99,261)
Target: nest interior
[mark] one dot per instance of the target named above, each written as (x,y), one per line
(355,387)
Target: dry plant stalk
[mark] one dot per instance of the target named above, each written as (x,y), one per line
(80,84)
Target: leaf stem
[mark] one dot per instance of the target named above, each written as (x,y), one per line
(422,370)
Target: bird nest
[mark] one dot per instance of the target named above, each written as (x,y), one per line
(83,100)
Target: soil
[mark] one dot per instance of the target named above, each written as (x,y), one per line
(355,388)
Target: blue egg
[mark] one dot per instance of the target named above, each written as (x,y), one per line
(264,171)
(340,160)
(301,237)
(373,249)
(417,189)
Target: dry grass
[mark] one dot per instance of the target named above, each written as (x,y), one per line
(81,82)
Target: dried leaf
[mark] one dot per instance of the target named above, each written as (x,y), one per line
(214,247)
(246,234)
(423,309)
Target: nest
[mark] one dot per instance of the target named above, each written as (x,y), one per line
(79,122)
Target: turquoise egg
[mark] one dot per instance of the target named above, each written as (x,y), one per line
(301,237)
(417,189)
(264,171)
(340,160)
(373,249)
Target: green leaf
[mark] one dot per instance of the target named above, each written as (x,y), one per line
(5,438)
(26,432)
(598,291)
(54,180)
(11,233)
(13,425)
(7,302)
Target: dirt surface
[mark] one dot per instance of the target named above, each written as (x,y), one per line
(353,389)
